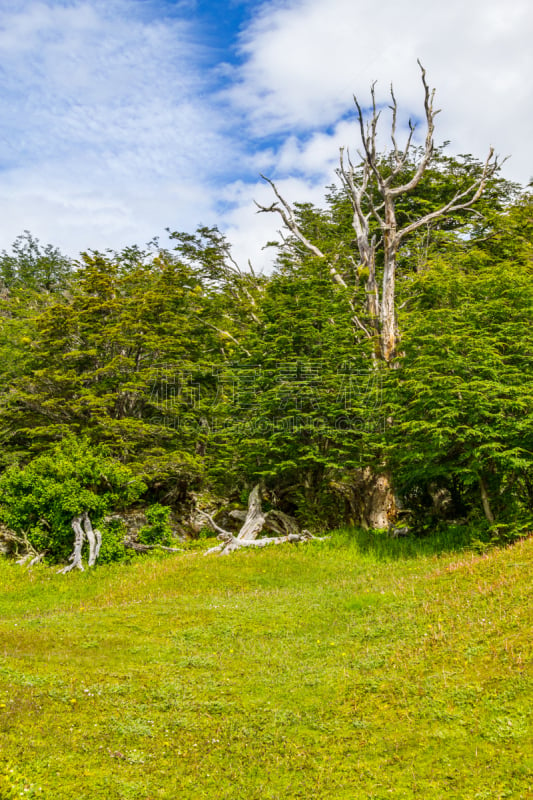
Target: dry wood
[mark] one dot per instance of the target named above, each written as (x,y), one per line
(83,530)
(21,545)
(145,548)
(255,520)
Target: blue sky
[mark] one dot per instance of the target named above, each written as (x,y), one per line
(120,118)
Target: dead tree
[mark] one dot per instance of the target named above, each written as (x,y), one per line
(83,531)
(254,521)
(373,192)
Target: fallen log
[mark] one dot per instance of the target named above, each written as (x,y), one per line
(255,520)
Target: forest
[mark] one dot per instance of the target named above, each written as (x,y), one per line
(367,406)
(379,377)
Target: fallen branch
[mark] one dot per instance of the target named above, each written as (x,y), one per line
(231,543)
(255,520)
(30,560)
(144,548)
(29,555)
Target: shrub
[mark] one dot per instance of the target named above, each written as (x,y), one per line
(39,501)
(158,531)
(113,547)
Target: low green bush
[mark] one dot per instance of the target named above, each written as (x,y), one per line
(158,530)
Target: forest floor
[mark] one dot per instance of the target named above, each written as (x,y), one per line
(346,669)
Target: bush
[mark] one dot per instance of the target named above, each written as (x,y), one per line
(40,500)
(158,531)
(113,547)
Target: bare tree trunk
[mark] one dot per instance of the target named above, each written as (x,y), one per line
(373,187)
(94,537)
(364,184)
(486,501)
(255,519)
(83,530)
(79,537)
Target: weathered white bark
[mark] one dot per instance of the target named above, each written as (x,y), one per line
(94,537)
(254,522)
(79,538)
(83,530)
(231,543)
(31,560)
(19,544)
(255,519)
(145,548)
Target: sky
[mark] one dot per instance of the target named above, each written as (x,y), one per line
(122,118)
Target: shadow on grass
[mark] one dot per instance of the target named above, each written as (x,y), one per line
(381,546)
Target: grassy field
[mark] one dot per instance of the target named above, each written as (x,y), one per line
(354,668)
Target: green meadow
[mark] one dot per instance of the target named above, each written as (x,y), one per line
(358,667)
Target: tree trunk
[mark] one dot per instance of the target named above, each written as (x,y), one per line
(83,530)
(94,537)
(370,498)
(486,501)
(255,519)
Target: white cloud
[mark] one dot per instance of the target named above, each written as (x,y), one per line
(114,125)
(304,59)
(107,136)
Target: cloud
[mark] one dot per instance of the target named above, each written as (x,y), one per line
(106,132)
(304,59)
(122,117)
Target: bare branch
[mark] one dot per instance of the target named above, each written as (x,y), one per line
(287,215)
(226,334)
(430,112)
(213,524)
(360,325)
(394,109)
(368,137)
(79,538)
(29,554)
(475,189)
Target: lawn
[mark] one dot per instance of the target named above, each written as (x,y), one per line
(352,668)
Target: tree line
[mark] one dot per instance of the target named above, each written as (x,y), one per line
(152,375)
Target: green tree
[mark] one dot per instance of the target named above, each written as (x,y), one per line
(31,266)
(292,410)
(113,360)
(461,402)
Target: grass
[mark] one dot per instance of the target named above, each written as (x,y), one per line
(354,668)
